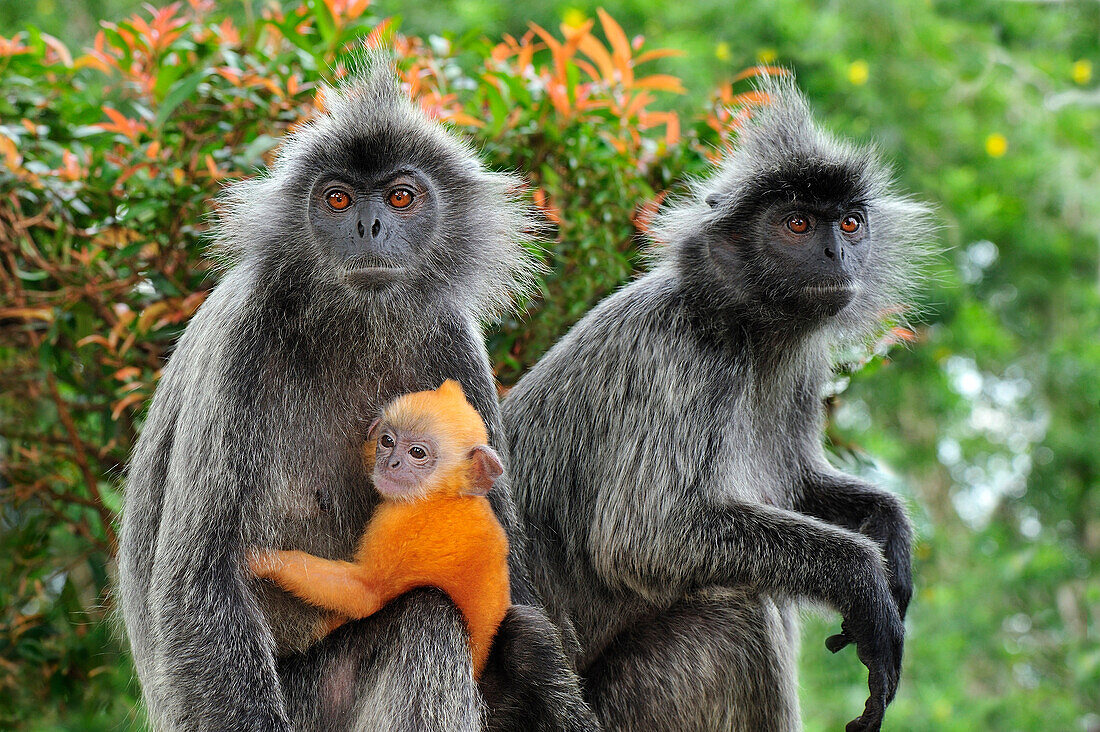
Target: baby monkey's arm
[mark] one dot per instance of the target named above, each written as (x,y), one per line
(326,583)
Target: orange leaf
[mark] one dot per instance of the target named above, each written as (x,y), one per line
(645,213)
(760,71)
(620,45)
(126,401)
(461,118)
(10,153)
(59,48)
(150,314)
(635,105)
(96,338)
(126,373)
(660,82)
(588,69)
(556,51)
(593,49)
(903,334)
(657,53)
(378,34)
(750,99)
(542,201)
(191,303)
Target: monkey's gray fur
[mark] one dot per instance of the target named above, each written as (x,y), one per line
(254,438)
(667,455)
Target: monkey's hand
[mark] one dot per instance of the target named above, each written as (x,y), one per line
(875,626)
(889,528)
(265,563)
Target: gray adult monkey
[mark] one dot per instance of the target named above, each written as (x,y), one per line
(667,453)
(362,265)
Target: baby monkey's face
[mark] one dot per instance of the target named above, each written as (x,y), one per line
(404,463)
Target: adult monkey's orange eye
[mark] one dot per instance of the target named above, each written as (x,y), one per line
(850,224)
(337,199)
(798,223)
(400,197)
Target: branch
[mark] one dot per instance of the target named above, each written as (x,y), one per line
(81,459)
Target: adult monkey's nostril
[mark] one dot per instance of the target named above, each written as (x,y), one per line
(376,228)
(829,252)
(362,229)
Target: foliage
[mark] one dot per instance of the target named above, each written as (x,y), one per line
(109,158)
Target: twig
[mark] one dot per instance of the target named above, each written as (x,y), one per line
(81,459)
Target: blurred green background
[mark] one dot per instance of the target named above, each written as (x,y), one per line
(987,420)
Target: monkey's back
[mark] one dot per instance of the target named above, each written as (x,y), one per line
(454,543)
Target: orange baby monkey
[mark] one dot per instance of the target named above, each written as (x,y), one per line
(434,528)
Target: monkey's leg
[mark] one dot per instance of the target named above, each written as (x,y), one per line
(327,583)
(528,683)
(716,660)
(404,669)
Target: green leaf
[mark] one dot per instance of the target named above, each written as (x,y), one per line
(179,92)
(326,24)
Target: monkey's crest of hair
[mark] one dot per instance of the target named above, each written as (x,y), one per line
(484,259)
(781,143)
(444,413)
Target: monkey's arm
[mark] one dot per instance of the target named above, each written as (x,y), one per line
(341,587)
(775,551)
(859,506)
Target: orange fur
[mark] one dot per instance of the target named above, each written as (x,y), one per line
(447,539)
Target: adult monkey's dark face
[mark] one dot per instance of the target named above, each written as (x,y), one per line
(797,231)
(804,256)
(372,204)
(374,225)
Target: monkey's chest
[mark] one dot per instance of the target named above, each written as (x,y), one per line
(753,468)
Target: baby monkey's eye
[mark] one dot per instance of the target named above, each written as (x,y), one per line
(386,441)
(850,224)
(400,197)
(418,452)
(798,223)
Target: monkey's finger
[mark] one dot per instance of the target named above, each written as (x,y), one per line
(836,642)
(870,720)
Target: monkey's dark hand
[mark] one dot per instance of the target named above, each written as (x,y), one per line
(889,528)
(875,626)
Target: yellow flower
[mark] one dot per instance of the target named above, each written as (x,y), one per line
(859,72)
(767,55)
(574,17)
(722,51)
(996,145)
(1082,71)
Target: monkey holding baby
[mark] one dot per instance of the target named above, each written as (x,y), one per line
(433,468)
(363,264)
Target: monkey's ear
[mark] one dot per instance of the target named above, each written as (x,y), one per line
(713,199)
(372,431)
(485,468)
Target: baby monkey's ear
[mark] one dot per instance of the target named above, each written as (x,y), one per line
(485,468)
(370,445)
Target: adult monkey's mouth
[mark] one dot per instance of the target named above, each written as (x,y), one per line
(375,275)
